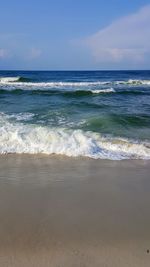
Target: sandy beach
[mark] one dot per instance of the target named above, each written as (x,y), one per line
(59,211)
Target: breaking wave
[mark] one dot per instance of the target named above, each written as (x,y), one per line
(109,90)
(12,80)
(9,79)
(75,92)
(16,137)
(134,82)
(87,92)
(22,81)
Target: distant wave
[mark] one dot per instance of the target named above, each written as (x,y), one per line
(134,82)
(87,92)
(26,82)
(78,92)
(109,90)
(24,138)
(11,80)
(72,92)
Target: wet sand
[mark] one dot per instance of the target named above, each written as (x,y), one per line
(65,212)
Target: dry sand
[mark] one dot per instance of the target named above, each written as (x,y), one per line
(65,212)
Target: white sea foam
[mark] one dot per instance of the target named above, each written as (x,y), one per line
(15,81)
(133,82)
(77,86)
(12,83)
(21,116)
(24,138)
(108,90)
(9,79)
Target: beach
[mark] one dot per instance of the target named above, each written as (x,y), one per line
(63,211)
(75,133)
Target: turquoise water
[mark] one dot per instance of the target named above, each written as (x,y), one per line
(99,114)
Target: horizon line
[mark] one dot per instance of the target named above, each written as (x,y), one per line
(75,70)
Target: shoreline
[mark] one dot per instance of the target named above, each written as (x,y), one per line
(62,211)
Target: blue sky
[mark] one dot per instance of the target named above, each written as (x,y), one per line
(74,34)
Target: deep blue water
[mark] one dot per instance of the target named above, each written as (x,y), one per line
(100,114)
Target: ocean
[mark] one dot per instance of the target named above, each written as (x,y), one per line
(96,114)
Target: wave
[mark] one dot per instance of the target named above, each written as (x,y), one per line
(24,138)
(12,80)
(22,81)
(133,82)
(87,92)
(63,92)
(109,90)
(9,79)
(133,92)
(72,92)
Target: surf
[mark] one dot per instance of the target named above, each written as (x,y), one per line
(33,139)
(11,80)
(25,83)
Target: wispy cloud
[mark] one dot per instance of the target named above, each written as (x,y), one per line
(3,53)
(19,46)
(34,53)
(127,40)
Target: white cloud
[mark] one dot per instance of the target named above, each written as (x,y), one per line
(127,40)
(34,53)
(3,53)
(18,46)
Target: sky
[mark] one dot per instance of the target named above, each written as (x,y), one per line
(74,34)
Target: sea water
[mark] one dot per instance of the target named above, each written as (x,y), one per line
(97,114)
